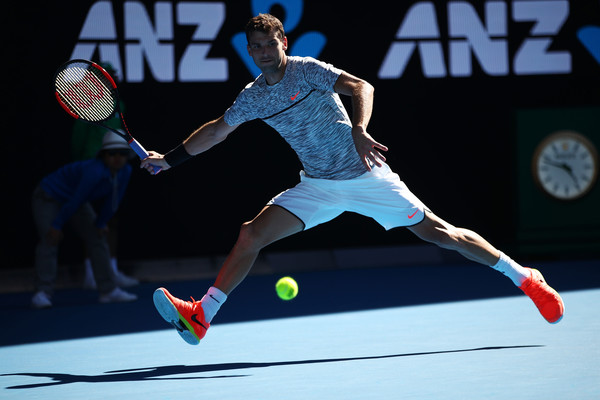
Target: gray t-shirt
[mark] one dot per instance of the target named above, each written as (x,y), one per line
(308,114)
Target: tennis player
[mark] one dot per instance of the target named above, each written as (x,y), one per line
(344,169)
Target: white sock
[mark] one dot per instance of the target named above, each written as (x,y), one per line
(211,302)
(511,269)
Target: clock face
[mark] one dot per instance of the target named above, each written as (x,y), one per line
(565,165)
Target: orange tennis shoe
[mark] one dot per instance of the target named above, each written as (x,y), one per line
(185,316)
(546,299)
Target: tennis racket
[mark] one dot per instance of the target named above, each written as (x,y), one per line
(87,92)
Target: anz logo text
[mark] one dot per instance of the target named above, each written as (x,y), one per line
(471,38)
(152,43)
(486,40)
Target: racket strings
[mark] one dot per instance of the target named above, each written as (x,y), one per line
(89,96)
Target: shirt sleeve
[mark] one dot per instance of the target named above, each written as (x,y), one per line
(242,109)
(319,74)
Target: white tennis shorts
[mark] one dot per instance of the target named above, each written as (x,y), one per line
(379,194)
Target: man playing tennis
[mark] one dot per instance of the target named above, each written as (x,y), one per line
(344,170)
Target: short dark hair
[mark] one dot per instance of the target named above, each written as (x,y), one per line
(265,23)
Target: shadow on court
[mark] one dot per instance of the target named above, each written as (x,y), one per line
(170,372)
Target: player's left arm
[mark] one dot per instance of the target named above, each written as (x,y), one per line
(361,93)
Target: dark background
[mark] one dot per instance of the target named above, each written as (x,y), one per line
(452,140)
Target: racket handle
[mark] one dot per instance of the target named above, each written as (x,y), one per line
(142,153)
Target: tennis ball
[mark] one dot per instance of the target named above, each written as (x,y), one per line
(286,288)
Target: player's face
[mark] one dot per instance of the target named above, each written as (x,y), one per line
(268,51)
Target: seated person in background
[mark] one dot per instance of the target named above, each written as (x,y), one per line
(65,196)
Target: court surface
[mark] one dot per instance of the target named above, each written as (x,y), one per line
(425,336)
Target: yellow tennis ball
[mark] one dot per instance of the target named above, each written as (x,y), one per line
(286,288)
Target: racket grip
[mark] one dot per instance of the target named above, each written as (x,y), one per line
(142,153)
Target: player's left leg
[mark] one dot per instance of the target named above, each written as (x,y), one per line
(468,243)
(474,247)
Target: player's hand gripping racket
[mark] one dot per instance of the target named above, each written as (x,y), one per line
(87,92)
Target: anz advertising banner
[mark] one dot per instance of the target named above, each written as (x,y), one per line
(447,39)
(456,87)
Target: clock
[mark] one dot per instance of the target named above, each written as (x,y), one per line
(565,165)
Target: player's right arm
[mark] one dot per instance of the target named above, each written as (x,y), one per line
(202,139)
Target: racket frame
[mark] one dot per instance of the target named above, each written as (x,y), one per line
(131,141)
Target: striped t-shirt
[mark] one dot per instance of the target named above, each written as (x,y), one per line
(308,114)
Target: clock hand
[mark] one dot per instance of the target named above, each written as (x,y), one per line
(568,169)
(564,166)
(571,174)
(557,165)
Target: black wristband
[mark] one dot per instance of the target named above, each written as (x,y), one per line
(177,156)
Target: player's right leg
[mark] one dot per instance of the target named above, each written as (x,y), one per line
(270,225)
(192,319)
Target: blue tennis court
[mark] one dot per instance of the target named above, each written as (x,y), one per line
(425,336)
